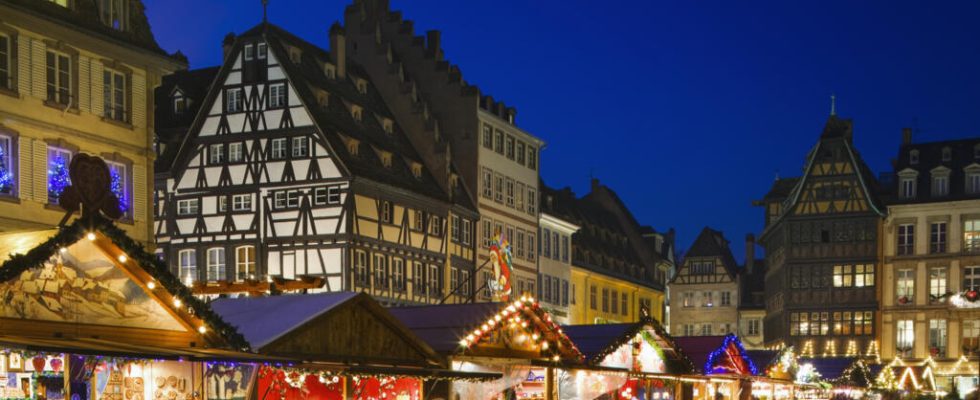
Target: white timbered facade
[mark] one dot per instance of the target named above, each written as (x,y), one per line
(292,168)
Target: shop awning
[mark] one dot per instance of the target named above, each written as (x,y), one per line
(97,347)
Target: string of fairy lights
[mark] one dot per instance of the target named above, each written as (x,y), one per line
(521,314)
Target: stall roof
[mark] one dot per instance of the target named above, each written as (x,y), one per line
(700,348)
(597,341)
(262,320)
(834,367)
(91,346)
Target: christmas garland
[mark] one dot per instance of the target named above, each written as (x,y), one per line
(68,235)
(682,365)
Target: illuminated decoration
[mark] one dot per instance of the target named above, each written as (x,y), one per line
(807,349)
(908,377)
(58,178)
(785,366)
(830,348)
(963,366)
(886,379)
(116,185)
(549,341)
(967,299)
(730,358)
(857,375)
(807,374)
(873,350)
(500,259)
(852,348)
(6,175)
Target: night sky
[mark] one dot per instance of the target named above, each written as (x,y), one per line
(688,109)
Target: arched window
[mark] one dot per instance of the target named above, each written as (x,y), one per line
(216,264)
(187,263)
(244,263)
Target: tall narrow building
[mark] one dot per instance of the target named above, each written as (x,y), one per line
(76,77)
(705,289)
(460,125)
(295,171)
(821,246)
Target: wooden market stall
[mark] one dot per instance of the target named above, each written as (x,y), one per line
(345,346)
(648,363)
(730,370)
(518,340)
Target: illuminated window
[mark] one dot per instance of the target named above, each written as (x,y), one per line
(216,264)
(58,179)
(905,286)
(937,284)
(8,162)
(187,264)
(905,337)
(245,262)
(688,299)
(119,184)
(971,337)
(971,235)
(361,276)
(937,337)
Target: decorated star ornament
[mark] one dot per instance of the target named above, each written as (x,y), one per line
(90,191)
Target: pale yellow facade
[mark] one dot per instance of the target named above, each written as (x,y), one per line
(587,306)
(34,126)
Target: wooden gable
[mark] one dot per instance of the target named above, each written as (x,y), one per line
(80,282)
(357,330)
(521,329)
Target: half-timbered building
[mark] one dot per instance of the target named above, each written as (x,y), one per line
(294,167)
(821,242)
(705,288)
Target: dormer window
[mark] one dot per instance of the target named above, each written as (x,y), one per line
(356,112)
(389,125)
(295,55)
(63,3)
(180,103)
(913,157)
(352,145)
(261,51)
(976,151)
(417,170)
(112,12)
(322,98)
(973,179)
(330,71)
(249,52)
(940,182)
(907,184)
(362,86)
(947,154)
(385,157)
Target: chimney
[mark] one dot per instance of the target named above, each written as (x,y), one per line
(338,49)
(749,252)
(226,45)
(595,185)
(906,136)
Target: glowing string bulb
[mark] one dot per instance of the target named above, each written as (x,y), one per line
(202,329)
(122,258)
(90,236)
(177,302)
(63,249)
(544,345)
(152,285)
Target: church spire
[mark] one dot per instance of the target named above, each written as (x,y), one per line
(833,105)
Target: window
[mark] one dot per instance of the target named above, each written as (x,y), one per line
(546,288)
(937,337)
(702,267)
(605,300)
(119,184)
(564,248)
(434,287)
(380,272)
(509,147)
(971,337)
(532,201)
(860,275)
(8,161)
(940,185)
(360,268)
(706,329)
(277,95)
(187,264)
(435,225)
(233,100)
(726,298)
(385,212)
(113,13)
(519,198)
(615,302)
(216,264)
(498,188)
(799,324)
(216,153)
(532,158)
(465,281)
(498,142)
(519,152)
(971,235)
(906,239)
(937,284)
(222,203)
(241,202)
(467,231)
(326,195)
(688,299)
(301,146)
(180,103)
(753,327)
(688,330)
(905,286)
(487,181)
(519,243)
(487,136)
(971,278)
(278,148)
(245,262)
(905,336)
(973,182)
(555,245)
(236,152)
(418,278)
(114,93)
(58,179)
(454,229)
(546,244)
(937,237)
(625,303)
(510,192)
(485,284)
(592,297)
(188,207)
(249,52)
(6,62)
(707,299)
(531,255)
(907,187)
(59,75)
(262,49)
(486,231)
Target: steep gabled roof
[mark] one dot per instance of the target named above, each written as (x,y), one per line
(169,126)
(262,320)
(712,243)
(599,340)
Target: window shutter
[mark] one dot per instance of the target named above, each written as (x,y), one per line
(25,169)
(97,97)
(85,86)
(37,72)
(40,171)
(139,193)
(137,99)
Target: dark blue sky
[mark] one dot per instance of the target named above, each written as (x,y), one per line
(687,109)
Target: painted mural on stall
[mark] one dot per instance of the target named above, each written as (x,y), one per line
(81,284)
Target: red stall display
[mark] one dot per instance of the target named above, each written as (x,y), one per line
(280,384)
(388,388)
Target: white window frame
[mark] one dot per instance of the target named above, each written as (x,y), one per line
(261,51)
(61,84)
(245,262)
(188,206)
(277,95)
(216,264)
(300,146)
(216,153)
(187,265)
(236,152)
(277,148)
(125,177)
(234,100)
(249,52)
(241,202)
(114,97)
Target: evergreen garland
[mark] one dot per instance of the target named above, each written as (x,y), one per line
(66,236)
